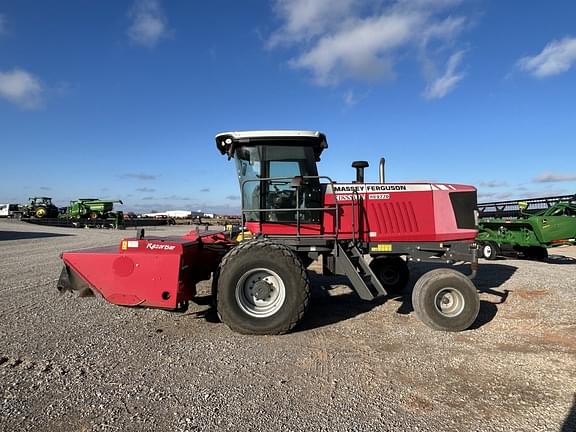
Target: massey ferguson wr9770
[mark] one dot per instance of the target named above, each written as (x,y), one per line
(365,231)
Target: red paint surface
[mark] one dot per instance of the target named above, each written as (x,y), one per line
(154,272)
(425,216)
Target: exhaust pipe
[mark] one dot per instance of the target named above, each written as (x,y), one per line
(381,170)
(359,165)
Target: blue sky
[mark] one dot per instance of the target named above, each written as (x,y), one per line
(122,99)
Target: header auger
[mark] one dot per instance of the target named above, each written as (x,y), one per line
(365,231)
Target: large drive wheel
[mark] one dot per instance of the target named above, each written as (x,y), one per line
(490,250)
(40,212)
(263,288)
(445,299)
(392,272)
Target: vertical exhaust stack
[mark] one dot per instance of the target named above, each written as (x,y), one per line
(359,165)
(382,178)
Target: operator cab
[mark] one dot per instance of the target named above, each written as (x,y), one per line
(277,173)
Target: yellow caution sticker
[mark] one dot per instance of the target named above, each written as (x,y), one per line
(381,247)
(124,245)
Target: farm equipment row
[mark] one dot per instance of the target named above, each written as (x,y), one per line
(364,231)
(84,212)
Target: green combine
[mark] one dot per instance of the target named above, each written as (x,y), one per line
(92,208)
(528,227)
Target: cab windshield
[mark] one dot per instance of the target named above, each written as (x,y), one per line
(265,173)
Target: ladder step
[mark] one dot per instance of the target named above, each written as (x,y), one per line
(363,279)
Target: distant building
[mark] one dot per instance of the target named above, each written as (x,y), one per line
(176,214)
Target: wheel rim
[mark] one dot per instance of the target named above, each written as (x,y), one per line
(260,292)
(487,251)
(449,302)
(389,275)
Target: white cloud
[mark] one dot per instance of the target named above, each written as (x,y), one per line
(550,177)
(493,184)
(22,88)
(149,25)
(443,85)
(307,18)
(350,98)
(494,196)
(348,40)
(556,57)
(360,50)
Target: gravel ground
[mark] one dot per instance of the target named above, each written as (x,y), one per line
(77,364)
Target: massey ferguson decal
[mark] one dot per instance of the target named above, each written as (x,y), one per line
(347,192)
(375,188)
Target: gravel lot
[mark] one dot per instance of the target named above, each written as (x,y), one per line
(76,364)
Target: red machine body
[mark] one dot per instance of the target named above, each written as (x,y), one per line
(367,232)
(375,212)
(153,272)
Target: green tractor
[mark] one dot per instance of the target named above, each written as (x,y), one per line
(525,227)
(41,208)
(92,208)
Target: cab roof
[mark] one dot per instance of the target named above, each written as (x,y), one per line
(227,141)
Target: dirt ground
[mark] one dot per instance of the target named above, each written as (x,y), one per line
(80,364)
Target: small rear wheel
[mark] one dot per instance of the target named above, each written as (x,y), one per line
(445,299)
(262,288)
(490,250)
(392,272)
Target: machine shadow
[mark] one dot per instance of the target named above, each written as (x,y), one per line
(569,424)
(23,235)
(327,309)
(560,259)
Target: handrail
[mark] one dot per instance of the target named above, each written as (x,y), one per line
(297,209)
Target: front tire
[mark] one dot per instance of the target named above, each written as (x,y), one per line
(446,300)
(263,288)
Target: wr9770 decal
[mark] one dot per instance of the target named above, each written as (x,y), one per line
(378,196)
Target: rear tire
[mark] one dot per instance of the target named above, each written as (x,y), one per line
(490,250)
(41,212)
(445,299)
(392,272)
(262,289)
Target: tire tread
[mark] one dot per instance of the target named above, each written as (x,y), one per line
(297,266)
